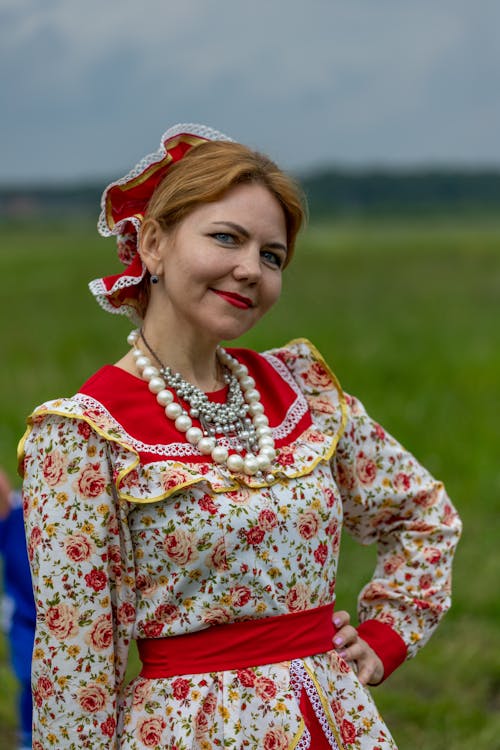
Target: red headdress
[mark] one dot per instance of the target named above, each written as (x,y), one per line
(123,205)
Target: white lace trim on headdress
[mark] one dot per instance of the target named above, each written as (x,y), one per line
(97,286)
(203,131)
(101,294)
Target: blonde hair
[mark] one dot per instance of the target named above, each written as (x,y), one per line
(207,171)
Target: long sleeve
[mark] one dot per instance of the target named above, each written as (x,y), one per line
(391,500)
(82,568)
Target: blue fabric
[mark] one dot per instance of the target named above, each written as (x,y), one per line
(21,625)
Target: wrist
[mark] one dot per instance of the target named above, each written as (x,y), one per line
(385,642)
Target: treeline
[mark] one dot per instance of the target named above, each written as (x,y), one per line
(330,192)
(341,192)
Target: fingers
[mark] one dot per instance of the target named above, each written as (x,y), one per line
(346,635)
(341,618)
(370,668)
(355,650)
(367,674)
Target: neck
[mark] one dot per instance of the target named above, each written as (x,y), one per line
(196,362)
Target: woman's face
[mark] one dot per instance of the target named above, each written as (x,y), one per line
(220,268)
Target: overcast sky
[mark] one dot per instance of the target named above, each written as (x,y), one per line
(87,87)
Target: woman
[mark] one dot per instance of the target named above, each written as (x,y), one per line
(191,497)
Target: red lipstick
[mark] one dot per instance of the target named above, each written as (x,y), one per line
(234,299)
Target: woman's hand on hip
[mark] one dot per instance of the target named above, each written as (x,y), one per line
(351,647)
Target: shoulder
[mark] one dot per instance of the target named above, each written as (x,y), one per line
(70,421)
(309,370)
(304,360)
(298,359)
(300,368)
(99,401)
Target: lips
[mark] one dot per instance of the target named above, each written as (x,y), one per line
(234,299)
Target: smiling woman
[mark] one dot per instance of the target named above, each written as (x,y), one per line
(208,487)
(213,285)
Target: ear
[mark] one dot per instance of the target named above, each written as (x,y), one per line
(150,240)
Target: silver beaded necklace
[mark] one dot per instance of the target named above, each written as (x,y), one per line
(240,422)
(229,419)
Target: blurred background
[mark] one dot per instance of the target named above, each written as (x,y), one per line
(389,114)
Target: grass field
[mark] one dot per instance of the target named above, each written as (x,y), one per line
(407,314)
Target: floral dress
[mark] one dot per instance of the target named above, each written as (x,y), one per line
(132,535)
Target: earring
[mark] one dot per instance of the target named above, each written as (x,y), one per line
(154,278)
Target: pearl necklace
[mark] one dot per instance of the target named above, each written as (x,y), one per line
(253,434)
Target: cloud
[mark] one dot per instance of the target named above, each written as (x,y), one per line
(87,87)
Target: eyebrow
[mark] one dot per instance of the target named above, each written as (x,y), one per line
(245,233)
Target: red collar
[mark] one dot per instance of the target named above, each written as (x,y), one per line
(128,399)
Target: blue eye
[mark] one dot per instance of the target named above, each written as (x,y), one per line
(273,258)
(224,237)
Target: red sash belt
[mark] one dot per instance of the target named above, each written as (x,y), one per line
(237,645)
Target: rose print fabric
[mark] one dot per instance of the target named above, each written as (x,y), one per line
(130,538)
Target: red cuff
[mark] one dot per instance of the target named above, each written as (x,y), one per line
(387,644)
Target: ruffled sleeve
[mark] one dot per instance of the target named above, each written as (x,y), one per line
(391,500)
(83,575)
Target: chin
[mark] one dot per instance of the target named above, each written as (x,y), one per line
(228,332)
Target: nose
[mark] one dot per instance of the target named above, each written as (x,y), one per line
(248,266)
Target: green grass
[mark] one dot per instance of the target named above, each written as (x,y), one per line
(407,314)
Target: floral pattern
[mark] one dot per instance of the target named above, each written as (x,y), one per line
(122,549)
